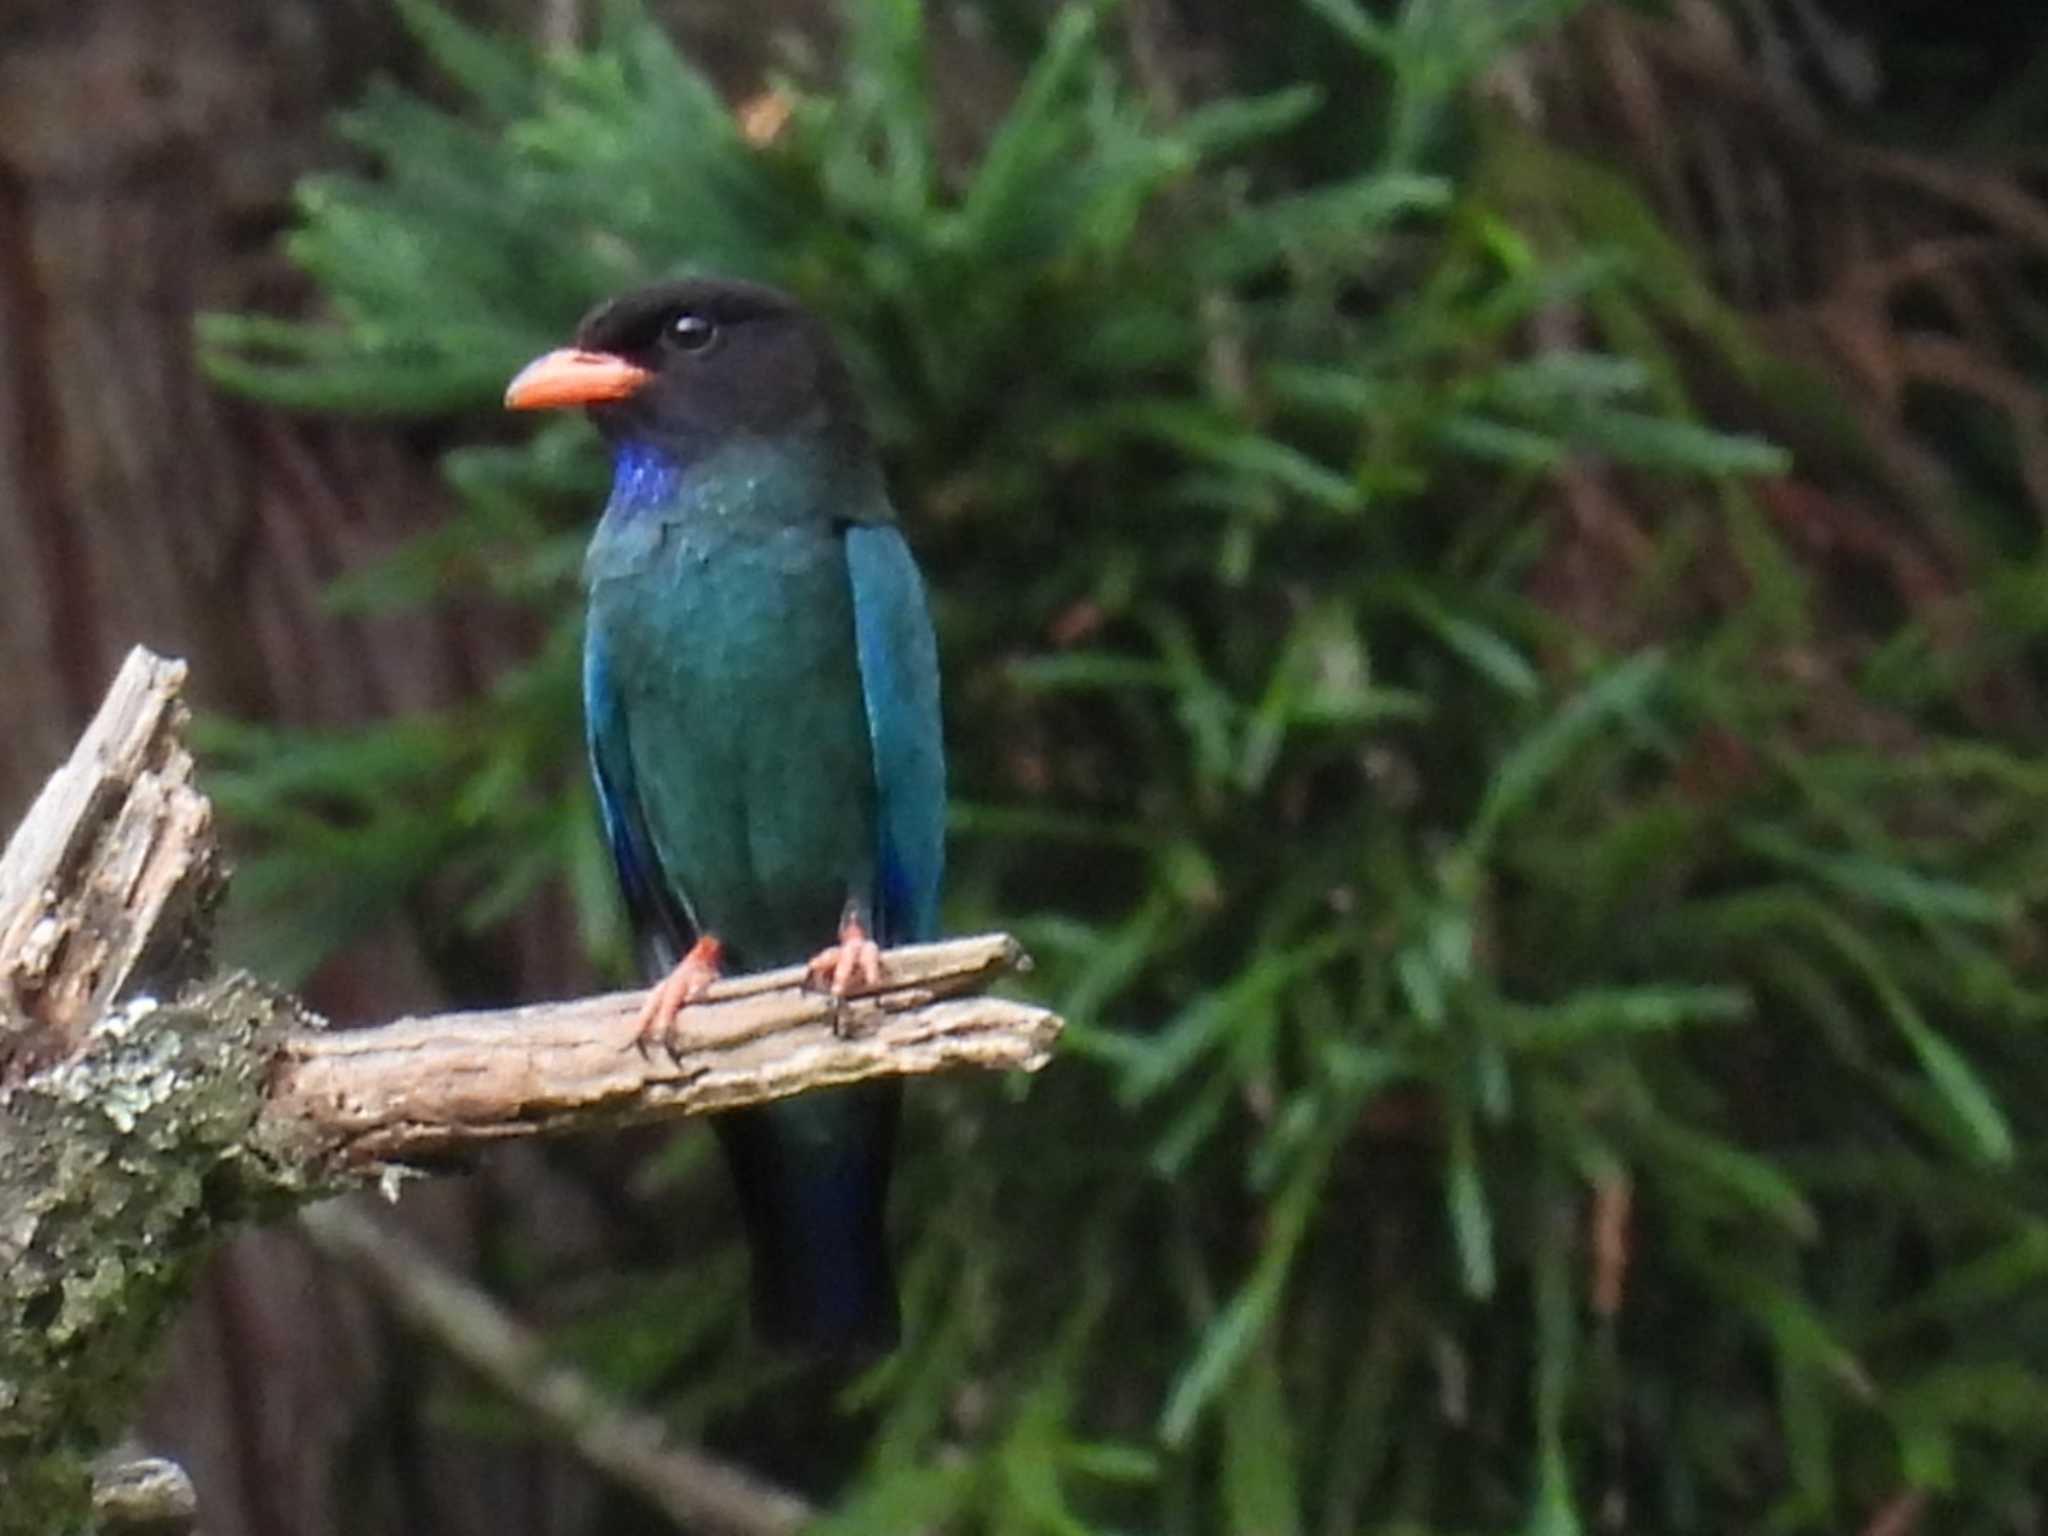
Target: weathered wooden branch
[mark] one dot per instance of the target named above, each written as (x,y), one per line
(112,875)
(146,1106)
(350,1102)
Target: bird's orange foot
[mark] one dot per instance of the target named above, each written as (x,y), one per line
(853,964)
(676,991)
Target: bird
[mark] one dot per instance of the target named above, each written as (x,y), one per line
(761,704)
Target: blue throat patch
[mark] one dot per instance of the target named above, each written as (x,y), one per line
(643,477)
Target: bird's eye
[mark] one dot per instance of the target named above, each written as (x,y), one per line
(691,333)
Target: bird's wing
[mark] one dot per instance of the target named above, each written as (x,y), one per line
(899,675)
(662,926)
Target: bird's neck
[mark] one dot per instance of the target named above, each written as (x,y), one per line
(644,477)
(742,476)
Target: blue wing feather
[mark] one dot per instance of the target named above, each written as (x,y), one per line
(899,674)
(662,926)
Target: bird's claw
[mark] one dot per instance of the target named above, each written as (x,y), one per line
(674,992)
(853,964)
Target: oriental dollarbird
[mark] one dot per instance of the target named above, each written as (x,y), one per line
(761,698)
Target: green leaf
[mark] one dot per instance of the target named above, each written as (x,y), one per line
(1491,656)
(1881,882)
(1623,689)
(1951,1075)
(491,68)
(1260,1488)
(1471,1221)
(1220,127)
(1236,1331)
(1597,1014)
(1676,1150)
(1351,20)
(1203,1025)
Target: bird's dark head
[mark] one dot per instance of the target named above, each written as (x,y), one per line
(686,365)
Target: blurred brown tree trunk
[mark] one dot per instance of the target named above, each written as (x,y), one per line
(147,149)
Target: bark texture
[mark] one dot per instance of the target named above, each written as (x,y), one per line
(123,811)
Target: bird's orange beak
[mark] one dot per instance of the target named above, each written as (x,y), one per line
(571,376)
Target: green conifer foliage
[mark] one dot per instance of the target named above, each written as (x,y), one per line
(1535,1064)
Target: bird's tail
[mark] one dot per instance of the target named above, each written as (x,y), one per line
(812,1175)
